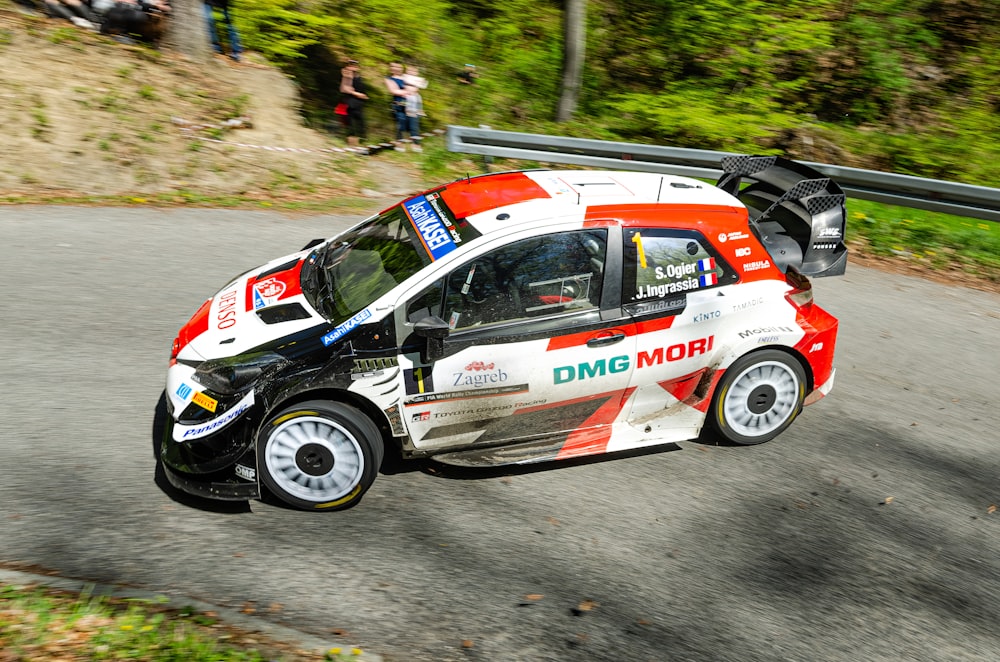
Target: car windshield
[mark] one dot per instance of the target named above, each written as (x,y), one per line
(343,276)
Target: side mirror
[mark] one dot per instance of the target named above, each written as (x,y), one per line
(433,330)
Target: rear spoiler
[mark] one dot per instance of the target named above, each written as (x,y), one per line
(796,212)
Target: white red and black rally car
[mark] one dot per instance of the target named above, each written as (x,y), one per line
(512,318)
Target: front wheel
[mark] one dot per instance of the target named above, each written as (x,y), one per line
(759,396)
(319,455)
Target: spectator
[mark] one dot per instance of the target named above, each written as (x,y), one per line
(468,75)
(413,77)
(414,111)
(397,88)
(235,48)
(352,87)
(414,104)
(73,11)
(134,19)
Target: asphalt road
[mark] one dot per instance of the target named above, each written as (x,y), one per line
(862,533)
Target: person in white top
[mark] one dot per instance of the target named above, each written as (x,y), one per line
(414,82)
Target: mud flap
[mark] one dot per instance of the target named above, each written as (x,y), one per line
(798,213)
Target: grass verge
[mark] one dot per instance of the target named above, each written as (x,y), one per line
(42,624)
(939,242)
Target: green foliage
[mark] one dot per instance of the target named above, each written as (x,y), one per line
(689,118)
(903,85)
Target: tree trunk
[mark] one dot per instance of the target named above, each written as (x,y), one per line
(574,50)
(186,32)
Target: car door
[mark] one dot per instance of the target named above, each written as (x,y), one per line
(538,348)
(674,284)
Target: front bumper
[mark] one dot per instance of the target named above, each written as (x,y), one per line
(221,465)
(225,486)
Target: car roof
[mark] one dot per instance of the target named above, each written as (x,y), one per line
(494,203)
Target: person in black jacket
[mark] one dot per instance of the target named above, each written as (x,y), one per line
(235,49)
(352,90)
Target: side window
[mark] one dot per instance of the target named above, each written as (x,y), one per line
(425,304)
(526,279)
(662,266)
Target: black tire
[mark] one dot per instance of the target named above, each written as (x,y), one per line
(319,455)
(758,397)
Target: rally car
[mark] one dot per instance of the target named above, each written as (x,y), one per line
(512,318)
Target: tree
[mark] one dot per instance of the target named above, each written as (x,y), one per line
(187,32)
(574,51)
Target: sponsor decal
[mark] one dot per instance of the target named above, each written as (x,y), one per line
(479,379)
(205,402)
(245,472)
(732,236)
(602,367)
(747,304)
(184,391)
(186,432)
(767,329)
(418,380)
(705,280)
(676,352)
(346,327)
(474,393)
(395,420)
(708,315)
(479,365)
(647,307)
(433,199)
(530,403)
(816,347)
(272,287)
(767,340)
(678,270)
(479,411)
(226,315)
(421,416)
(824,247)
(829,233)
(650,291)
(757,265)
(742,251)
(431,227)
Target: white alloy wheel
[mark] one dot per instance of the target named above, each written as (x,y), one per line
(760,395)
(319,455)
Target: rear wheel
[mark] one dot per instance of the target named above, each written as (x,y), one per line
(759,396)
(319,455)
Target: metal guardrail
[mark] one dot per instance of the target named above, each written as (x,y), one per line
(915,192)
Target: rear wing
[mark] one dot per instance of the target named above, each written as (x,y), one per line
(796,212)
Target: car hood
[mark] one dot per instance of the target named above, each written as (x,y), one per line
(258,307)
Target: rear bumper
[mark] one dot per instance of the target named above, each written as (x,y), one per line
(820,392)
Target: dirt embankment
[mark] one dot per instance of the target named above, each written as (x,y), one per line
(84,115)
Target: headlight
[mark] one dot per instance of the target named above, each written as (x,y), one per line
(234,374)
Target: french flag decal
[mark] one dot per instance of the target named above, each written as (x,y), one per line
(708,279)
(708,264)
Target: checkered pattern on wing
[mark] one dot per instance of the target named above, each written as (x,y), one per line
(746,165)
(822,203)
(806,188)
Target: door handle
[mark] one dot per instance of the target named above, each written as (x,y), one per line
(605,340)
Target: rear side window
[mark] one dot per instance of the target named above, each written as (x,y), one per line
(662,266)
